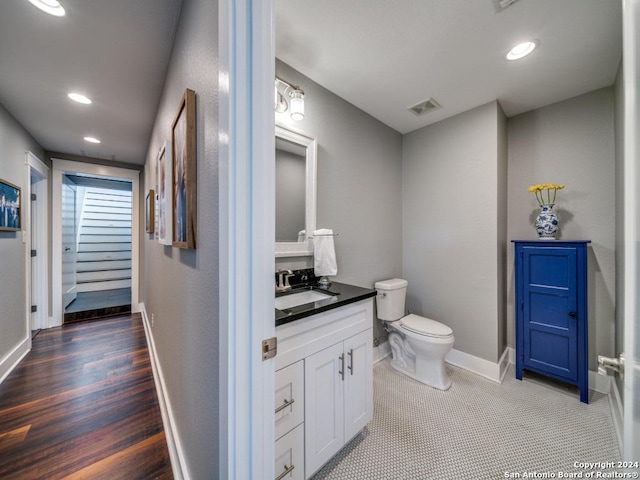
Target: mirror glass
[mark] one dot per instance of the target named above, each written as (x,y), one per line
(295,192)
(291,183)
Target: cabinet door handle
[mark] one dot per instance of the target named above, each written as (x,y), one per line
(341,372)
(287,471)
(350,367)
(287,403)
(573,314)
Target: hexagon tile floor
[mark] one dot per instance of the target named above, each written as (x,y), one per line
(477,429)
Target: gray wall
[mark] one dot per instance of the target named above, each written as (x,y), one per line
(620,248)
(14,142)
(572,143)
(452,176)
(181,290)
(359,184)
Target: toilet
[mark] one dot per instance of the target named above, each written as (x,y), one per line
(418,344)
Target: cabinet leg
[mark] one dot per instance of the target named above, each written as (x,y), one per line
(584,394)
(518,373)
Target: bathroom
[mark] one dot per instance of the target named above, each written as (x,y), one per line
(439,205)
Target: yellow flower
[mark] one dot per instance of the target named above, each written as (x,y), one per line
(551,197)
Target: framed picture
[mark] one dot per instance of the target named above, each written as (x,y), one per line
(150,212)
(10,207)
(165,198)
(183,147)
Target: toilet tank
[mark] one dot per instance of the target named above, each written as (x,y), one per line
(390,298)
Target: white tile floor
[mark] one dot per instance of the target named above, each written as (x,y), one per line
(477,429)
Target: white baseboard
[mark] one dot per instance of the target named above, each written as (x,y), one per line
(176,451)
(599,383)
(480,366)
(381,352)
(13,358)
(617,412)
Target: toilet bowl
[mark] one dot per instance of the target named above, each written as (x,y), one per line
(418,344)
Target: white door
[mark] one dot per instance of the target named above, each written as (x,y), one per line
(69,239)
(631,62)
(323,403)
(358,384)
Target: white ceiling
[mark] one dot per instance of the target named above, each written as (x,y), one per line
(384,56)
(381,55)
(114,51)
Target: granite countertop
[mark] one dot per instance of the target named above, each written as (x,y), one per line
(342,294)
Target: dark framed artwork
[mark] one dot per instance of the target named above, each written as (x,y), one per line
(184,194)
(150,212)
(10,207)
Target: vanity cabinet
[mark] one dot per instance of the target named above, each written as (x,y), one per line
(338,397)
(324,386)
(551,311)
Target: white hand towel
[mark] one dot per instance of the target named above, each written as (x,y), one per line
(324,253)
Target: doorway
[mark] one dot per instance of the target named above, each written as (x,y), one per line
(90,257)
(96,244)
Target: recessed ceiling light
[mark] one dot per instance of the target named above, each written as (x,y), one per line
(91,140)
(78,97)
(521,50)
(52,7)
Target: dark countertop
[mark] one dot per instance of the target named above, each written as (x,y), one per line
(343,294)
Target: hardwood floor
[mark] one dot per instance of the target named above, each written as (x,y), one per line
(83,405)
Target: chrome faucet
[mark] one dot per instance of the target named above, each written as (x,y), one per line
(283,280)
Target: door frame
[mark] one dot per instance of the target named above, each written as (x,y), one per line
(37,286)
(631,72)
(61,167)
(247,237)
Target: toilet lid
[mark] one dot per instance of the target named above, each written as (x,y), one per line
(425,326)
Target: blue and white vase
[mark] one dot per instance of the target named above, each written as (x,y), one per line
(547,222)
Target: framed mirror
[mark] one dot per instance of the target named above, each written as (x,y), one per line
(295,192)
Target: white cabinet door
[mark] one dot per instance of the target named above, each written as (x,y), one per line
(358,384)
(290,455)
(324,409)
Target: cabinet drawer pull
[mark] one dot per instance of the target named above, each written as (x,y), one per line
(341,372)
(351,361)
(573,314)
(287,403)
(287,471)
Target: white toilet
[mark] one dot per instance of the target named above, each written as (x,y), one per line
(418,344)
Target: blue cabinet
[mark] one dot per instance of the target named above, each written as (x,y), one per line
(551,310)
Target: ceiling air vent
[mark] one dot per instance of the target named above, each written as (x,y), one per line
(424,107)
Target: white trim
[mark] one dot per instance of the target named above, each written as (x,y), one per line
(617,412)
(41,289)
(66,166)
(247,233)
(480,366)
(176,450)
(13,358)
(599,383)
(381,352)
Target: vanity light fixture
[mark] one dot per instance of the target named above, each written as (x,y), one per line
(295,104)
(78,97)
(52,7)
(91,140)
(521,50)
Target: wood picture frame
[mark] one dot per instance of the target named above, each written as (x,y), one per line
(10,207)
(164,228)
(184,184)
(150,212)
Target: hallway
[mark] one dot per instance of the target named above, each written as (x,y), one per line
(82,404)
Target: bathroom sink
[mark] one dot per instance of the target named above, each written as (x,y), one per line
(300,298)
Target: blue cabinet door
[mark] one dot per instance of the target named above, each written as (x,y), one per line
(550,311)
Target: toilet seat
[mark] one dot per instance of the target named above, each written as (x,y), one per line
(425,326)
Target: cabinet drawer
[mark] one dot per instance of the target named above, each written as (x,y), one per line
(289,398)
(290,455)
